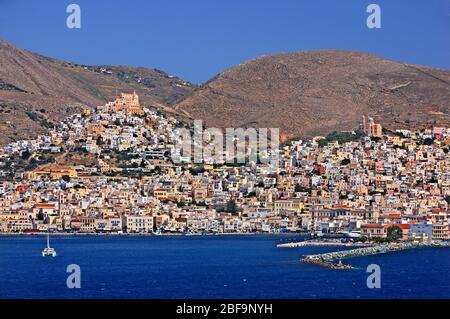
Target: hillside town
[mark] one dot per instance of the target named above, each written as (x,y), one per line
(111,170)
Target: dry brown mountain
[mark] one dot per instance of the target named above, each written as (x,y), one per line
(36,90)
(317,92)
(304,94)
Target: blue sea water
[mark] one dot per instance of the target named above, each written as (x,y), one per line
(209,267)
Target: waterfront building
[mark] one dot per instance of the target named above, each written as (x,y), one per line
(440,231)
(139,224)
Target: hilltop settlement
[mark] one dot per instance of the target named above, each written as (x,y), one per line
(111,170)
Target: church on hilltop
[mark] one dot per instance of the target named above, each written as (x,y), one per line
(127,102)
(371,128)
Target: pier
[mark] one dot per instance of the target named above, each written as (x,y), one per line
(328,259)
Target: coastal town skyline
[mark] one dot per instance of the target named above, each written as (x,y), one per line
(224,155)
(361,181)
(370,191)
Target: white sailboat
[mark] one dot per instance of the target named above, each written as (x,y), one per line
(48,251)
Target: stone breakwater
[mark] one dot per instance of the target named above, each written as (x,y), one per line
(328,259)
(321,243)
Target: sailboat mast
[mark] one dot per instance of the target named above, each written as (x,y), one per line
(48,238)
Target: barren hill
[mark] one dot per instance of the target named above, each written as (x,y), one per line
(303,94)
(36,90)
(316,92)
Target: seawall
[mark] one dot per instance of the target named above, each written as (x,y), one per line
(328,259)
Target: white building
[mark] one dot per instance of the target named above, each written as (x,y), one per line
(139,224)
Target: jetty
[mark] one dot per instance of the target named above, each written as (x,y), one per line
(328,259)
(321,243)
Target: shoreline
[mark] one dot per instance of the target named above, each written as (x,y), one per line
(150,234)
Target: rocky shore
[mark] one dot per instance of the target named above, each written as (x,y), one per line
(329,242)
(328,259)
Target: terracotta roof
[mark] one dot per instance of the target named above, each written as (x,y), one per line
(402,226)
(43,205)
(391,215)
(342,207)
(372,226)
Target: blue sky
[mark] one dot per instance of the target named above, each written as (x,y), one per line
(196,39)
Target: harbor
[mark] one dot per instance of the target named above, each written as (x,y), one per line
(253,267)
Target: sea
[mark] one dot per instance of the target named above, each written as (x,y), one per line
(212,267)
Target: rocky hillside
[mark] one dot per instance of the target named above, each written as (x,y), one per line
(304,94)
(36,91)
(317,92)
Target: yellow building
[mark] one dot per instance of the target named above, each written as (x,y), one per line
(86,112)
(54,172)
